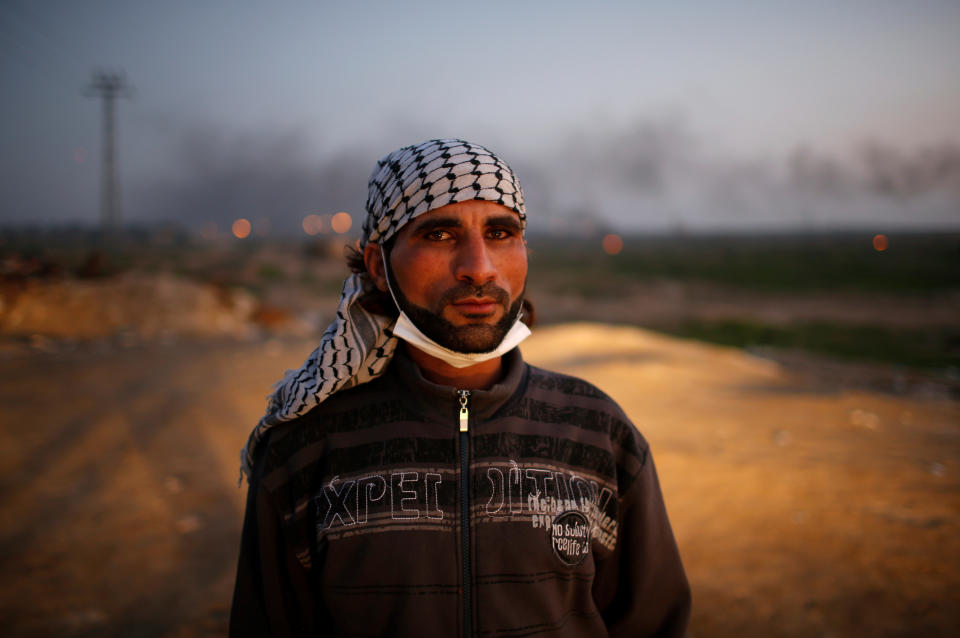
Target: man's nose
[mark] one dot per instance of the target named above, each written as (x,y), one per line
(473,262)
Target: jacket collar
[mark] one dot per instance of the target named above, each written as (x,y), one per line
(441,402)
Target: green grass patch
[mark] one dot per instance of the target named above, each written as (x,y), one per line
(271,272)
(933,348)
(913,263)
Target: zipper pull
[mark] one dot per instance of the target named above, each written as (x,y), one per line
(464,409)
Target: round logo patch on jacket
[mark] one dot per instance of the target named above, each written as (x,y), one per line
(570,537)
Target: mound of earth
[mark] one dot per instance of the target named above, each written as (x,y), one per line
(147,305)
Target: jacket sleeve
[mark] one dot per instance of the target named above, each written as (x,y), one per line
(271,596)
(642,589)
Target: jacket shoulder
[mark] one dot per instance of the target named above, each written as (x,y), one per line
(582,401)
(566,384)
(349,410)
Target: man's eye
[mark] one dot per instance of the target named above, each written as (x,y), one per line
(437,235)
(498,233)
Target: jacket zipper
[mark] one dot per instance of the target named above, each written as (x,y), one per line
(464,396)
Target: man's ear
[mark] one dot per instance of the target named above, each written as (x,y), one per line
(373,260)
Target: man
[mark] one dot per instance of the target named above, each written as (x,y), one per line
(442,486)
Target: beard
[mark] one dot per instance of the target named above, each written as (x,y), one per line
(472,338)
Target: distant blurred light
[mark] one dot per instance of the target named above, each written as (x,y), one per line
(241,228)
(612,244)
(79,154)
(312,224)
(341,222)
(880,243)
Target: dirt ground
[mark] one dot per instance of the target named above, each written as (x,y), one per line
(803,506)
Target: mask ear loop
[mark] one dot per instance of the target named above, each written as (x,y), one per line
(386,275)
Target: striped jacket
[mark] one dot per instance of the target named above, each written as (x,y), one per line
(404,508)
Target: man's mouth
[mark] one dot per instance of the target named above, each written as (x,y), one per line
(476,306)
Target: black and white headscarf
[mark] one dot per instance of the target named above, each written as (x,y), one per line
(358,345)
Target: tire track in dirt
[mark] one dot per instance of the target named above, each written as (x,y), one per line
(122,460)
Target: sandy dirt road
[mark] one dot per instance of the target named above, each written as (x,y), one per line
(801,509)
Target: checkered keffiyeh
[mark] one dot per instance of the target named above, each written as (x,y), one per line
(358,345)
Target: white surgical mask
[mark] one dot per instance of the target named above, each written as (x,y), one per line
(412,335)
(406,330)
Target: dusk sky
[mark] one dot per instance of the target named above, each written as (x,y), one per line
(639,115)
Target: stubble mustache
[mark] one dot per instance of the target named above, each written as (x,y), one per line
(463,291)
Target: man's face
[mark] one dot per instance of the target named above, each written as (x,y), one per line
(459,273)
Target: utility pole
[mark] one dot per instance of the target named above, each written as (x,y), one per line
(109,86)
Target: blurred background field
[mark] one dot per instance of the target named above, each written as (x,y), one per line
(779,294)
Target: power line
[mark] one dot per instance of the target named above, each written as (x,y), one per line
(109,85)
